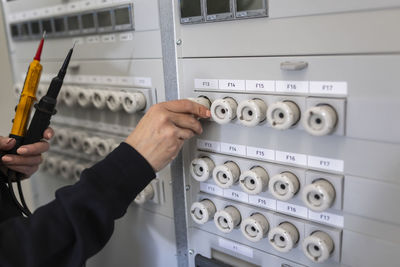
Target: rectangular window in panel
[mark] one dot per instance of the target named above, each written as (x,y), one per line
(59,25)
(47,26)
(24,29)
(88,21)
(251,8)
(35,28)
(191,11)
(104,19)
(219,10)
(73,23)
(14,30)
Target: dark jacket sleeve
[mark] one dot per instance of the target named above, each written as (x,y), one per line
(80,221)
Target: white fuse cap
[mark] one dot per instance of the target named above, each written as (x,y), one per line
(99,99)
(66,168)
(70,95)
(318,247)
(114,101)
(85,97)
(283,115)
(319,195)
(254,181)
(251,112)
(146,195)
(226,175)
(89,145)
(203,211)
(63,137)
(76,139)
(53,164)
(255,227)
(77,170)
(223,110)
(320,120)
(104,147)
(133,102)
(283,237)
(201,168)
(202,100)
(284,186)
(227,219)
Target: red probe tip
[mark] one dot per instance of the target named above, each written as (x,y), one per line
(40,48)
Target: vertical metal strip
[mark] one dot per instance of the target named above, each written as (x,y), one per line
(171,93)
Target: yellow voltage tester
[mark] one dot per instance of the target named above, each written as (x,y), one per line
(27,99)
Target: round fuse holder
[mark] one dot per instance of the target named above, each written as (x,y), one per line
(283,115)
(99,99)
(255,227)
(250,113)
(319,195)
(283,237)
(227,219)
(89,145)
(133,102)
(66,167)
(254,181)
(63,137)
(104,147)
(201,168)
(84,97)
(203,211)
(77,171)
(70,95)
(146,195)
(223,110)
(318,247)
(226,175)
(76,140)
(284,186)
(53,164)
(114,101)
(320,120)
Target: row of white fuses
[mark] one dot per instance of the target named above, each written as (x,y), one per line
(130,102)
(318,120)
(318,195)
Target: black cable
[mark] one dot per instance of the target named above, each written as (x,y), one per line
(12,193)
(21,195)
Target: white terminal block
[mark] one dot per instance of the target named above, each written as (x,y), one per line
(90,144)
(77,171)
(254,181)
(85,97)
(99,99)
(283,115)
(76,139)
(318,247)
(284,186)
(320,120)
(53,164)
(146,195)
(283,237)
(226,175)
(202,211)
(114,101)
(227,219)
(104,147)
(201,169)
(202,100)
(251,112)
(319,195)
(66,168)
(63,137)
(223,110)
(70,95)
(255,227)
(133,102)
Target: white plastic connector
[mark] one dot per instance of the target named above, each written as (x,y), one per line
(133,102)
(85,97)
(63,137)
(66,168)
(254,181)
(227,219)
(146,195)
(89,145)
(77,139)
(70,95)
(318,247)
(319,195)
(202,100)
(114,101)
(77,171)
(255,227)
(283,237)
(201,168)
(251,112)
(284,186)
(53,164)
(223,110)
(226,175)
(104,147)
(202,211)
(283,115)
(320,120)
(99,99)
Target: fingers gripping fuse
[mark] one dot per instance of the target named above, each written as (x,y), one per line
(251,112)
(223,110)
(227,219)
(202,100)
(201,168)
(202,211)
(226,175)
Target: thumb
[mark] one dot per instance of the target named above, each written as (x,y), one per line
(6,143)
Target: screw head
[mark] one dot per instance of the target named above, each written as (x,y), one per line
(191,251)
(179,41)
(187,187)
